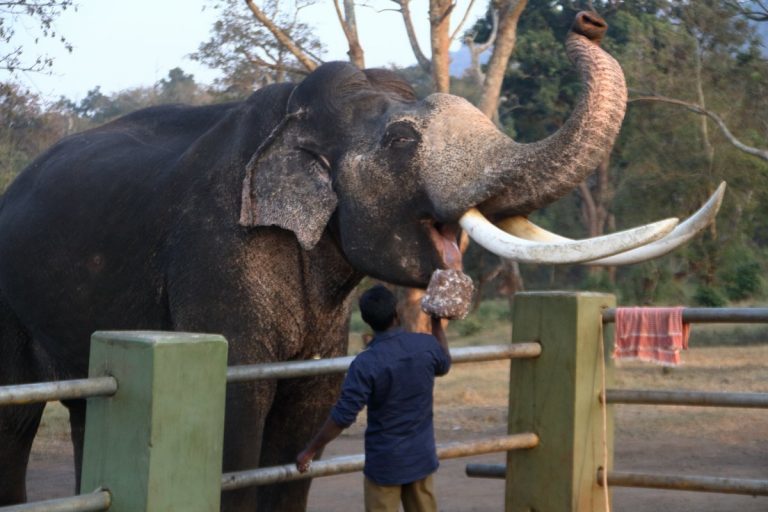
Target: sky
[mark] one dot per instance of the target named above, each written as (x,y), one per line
(120,45)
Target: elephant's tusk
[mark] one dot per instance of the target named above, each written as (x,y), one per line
(704,216)
(519,249)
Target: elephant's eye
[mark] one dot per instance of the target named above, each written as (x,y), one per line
(400,135)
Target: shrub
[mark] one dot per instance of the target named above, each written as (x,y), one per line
(709,297)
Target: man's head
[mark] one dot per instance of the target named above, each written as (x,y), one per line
(378,307)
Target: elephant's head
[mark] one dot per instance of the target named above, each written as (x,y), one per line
(393,177)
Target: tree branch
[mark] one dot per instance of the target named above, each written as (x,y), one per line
(698,109)
(423,61)
(476,50)
(282,37)
(439,23)
(509,12)
(463,20)
(275,66)
(349,26)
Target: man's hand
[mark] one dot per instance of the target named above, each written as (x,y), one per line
(304,460)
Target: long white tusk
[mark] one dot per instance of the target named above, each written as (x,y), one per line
(509,246)
(704,216)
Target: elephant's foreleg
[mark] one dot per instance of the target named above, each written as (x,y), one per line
(246,410)
(18,424)
(77,426)
(299,409)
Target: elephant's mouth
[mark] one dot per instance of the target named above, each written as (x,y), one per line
(445,238)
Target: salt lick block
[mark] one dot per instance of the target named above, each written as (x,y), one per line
(449,295)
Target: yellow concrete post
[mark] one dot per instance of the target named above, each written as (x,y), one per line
(156,445)
(557,397)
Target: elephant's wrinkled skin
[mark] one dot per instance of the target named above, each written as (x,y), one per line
(256,220)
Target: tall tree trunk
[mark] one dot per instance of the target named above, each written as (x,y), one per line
(595,200)
(509,15)
(439,21)
(348,22)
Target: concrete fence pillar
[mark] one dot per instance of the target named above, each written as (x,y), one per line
(556,396)
(156,445)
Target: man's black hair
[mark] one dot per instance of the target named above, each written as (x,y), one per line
(378,307)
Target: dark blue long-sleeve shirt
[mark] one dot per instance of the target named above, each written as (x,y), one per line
(395,377)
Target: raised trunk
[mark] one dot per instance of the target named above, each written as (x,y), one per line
(530,176)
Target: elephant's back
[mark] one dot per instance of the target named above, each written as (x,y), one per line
(82,228)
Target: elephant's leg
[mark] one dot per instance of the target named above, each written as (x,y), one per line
(77,426)
(300,408)
(246,410)
(18,423)
(18,426)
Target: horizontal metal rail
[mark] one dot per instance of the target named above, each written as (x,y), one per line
(686,483)
(712,315)
(96,501)
(58,390)
(292,369)
(486,470)
(353,463)
(651,481)
(693,398)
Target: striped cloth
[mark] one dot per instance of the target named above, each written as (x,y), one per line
(651,334)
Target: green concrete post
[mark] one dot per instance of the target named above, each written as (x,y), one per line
(156,445)
(556,396)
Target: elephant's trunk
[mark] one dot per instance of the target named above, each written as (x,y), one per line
(536,174)
(519,178)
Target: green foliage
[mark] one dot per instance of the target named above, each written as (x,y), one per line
(741,273)
(708,296)
(488,314)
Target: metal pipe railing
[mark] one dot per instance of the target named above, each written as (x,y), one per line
(94,502)
(353,463)
(292,369)
(646,480)
(486,471)
(107,386)
(686,483)
(692,398)
(711,315)
(59,390)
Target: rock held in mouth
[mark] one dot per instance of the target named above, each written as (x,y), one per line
(449,295)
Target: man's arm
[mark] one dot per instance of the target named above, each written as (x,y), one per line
(439,333)
(328,432)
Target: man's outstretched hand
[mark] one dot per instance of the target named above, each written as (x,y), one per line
(304,460)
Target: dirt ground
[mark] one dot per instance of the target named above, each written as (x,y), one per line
(471,403)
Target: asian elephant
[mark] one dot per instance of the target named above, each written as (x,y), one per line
(256,220)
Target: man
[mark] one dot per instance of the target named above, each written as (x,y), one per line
(394,377)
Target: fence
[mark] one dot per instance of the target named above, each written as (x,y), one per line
(155,420)
(155,415)
(534,317)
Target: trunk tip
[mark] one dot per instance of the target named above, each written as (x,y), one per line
(590,25)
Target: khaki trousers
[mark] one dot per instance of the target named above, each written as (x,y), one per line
(418,496)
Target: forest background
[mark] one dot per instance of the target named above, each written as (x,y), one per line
(697,115)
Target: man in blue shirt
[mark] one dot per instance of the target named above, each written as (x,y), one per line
(394,377)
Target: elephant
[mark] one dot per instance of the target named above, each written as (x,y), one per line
(256,220)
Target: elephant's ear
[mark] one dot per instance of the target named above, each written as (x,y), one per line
(288,187)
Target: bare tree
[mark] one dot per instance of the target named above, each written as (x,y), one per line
(348,22)
(33,15)
(755,10)
(275,48)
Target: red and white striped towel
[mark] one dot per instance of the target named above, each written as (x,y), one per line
(651,334)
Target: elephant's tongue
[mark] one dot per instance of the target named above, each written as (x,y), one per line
(447,246)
